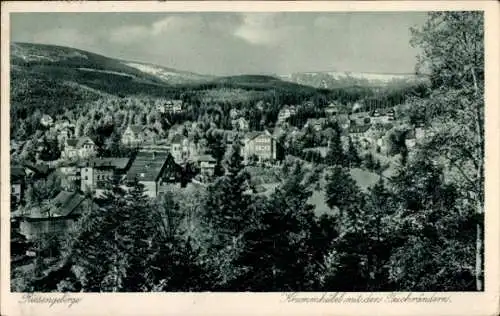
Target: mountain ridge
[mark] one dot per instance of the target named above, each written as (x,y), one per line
(23,53)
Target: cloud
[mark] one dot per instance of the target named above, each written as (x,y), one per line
(128,34)
(258,28)
(64,37)
(167,25)
(331,22)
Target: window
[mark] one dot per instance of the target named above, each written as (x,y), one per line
(86,178)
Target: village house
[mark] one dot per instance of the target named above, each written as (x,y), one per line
(36,171)
(56,218)
(357,107)
(136,135)
(180,148)
(419,130)
(17,183)
(46,120)
(259,144)
(391,114)
(285,113)
(170,106)
(410,140)
(317,124)
(153,169)
(382,116)
(81,147)
(331,110)
(359,131)
(206,164)
(99,172)
(71,177)
(234,113)
(240,124)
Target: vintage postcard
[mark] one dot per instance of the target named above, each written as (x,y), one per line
(295,158)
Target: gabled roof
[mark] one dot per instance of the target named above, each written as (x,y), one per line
(387,126)
(67,202)
(79,141)
(17,173)
(252,135)
(118,163)
(411,134)
(207,158)
(148,165)
(177,139)
(41,169)
(359,128)
(174,102)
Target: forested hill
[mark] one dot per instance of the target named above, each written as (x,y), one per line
(53,80)
(50,77)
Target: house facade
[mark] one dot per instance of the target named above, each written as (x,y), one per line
(57,219)
(259,144)
(153,169)
(17,183)
(71,177)
(170,106)
(359,131)
(46,120)
(81,147)
(240,124)
(285,113)
(316,124)
(180,148)
(133,135)
(206,164)
(234,113)
(97,173)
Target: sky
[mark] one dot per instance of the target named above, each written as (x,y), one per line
(235,43)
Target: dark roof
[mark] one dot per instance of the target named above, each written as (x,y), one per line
(118,163)
(147,166)
(79,141)
(359,128)
(172,102)
(41,169)
(207,158)
(177,139)
(252,135)
(72,142)
(66,202)
(410,134)
(388,126)
(17,172)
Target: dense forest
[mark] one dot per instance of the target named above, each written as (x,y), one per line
(418,230)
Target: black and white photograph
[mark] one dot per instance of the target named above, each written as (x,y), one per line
(247,151)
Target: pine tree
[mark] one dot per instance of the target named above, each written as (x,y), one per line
(110,247)
(352,155)
(281,238)
(228,203)
(341,189)
(335,154)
